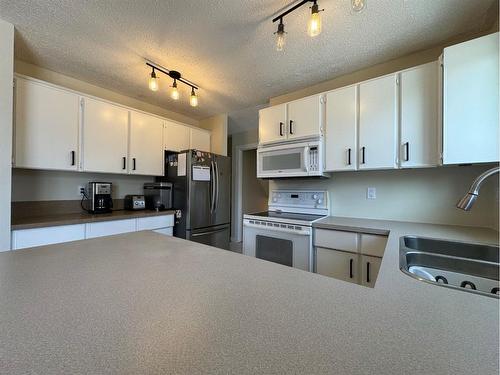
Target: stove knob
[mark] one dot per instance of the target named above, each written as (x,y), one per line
(315,196)
(275,199)
(320,201)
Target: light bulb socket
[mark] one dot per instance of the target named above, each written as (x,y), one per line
(192,92)
(281,28)
(153,73)
(314,8)
(174,85)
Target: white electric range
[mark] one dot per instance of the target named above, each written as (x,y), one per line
(283,234)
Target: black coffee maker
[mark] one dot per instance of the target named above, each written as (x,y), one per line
(99,197)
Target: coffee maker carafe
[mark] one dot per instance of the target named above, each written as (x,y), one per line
(99,197)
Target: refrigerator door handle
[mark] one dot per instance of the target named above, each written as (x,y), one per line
(208,232)
(212,187)
(216,204)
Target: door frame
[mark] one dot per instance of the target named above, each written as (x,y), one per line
(237,219)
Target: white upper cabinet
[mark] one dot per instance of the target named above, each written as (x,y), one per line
(377,123)
(146,145)
(419,90)
(46,126)
(341,126)
(176,136)
(200,140)
(470,101)
(304,117)
(272,124)
(105,137)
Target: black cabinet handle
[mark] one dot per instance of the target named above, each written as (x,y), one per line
(133,164)
(363,155)
(407,151)
(124,159)
(291,127)
(350,268)
(367,272)
(348,156)
(281,129)
(72,157)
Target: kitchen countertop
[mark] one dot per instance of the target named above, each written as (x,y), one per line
(41,221)
(144,303)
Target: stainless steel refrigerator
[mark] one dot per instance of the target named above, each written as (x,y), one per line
(201,191)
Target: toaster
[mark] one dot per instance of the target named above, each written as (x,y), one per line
(134,202)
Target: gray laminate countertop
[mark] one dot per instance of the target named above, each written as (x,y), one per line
(143,303)
(47,220)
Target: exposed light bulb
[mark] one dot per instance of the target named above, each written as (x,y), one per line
(174,92)
(193,99)
(153,81)
(358,5)
(314,24)
(280,36)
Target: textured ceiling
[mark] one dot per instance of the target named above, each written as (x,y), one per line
(225,46)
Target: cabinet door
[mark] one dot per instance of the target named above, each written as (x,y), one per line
(155,222)
(109,228)
(341,124)
(176,137)
(369,270)
(105,137)
(377,123)
(25,238)
(272,124)
(146,145)
(470,101)
(46,126)
(337,264)
(200,140)
(304,117)
(419,116)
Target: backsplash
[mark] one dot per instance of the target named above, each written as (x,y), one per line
(419,195)
(38,185)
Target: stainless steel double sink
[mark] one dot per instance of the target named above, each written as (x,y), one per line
(459,265)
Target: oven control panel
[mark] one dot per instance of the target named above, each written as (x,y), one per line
(299,199)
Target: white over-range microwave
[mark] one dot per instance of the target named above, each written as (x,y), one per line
(292,159)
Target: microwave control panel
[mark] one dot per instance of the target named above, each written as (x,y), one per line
(314,159)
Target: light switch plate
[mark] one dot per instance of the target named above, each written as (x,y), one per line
(371,193)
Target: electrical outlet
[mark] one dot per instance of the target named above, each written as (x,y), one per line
(81,190)
(371,193)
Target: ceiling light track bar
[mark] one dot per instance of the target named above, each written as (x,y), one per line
(296,6)
(172,74)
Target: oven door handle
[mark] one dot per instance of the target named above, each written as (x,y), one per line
(279,229)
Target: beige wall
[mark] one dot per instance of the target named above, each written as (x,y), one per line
(218,126)
(34,71)
(6,99)
(255,191)
(38,185)
(419,195)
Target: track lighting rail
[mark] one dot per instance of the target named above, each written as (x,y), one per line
(296,6)
(172,74)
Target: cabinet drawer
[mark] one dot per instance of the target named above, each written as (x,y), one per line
(155,222)
(373,245)
(46,236)
(108,228)
(334,239)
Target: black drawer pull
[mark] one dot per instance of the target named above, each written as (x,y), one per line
(407,151)
(72,157)
(133,164)
(124,159)
(363,155)
(367,272)
(348,156)
(351,261)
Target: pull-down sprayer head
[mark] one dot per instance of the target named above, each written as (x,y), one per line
(468,200)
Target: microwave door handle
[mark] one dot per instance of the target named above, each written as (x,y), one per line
(306,159)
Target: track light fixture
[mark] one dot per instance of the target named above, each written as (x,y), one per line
(313,25)
(177,77)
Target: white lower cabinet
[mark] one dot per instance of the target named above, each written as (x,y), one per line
(108,228)
(349,256)
(22,239)
(25,238)
(340,265)
(369,270)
